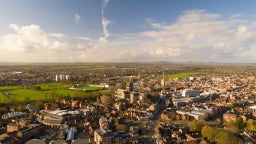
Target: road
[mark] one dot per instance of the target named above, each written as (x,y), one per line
(152,124)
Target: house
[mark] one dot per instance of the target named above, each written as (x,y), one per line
(122,94)
(58,142)
(104,136)
(253,110)
(11,127)
(35,141)
(229,117)
(108,137)
(7,140)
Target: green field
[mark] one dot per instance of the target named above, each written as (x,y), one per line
(64,92)
(91,88)
(49,91)
(3,88)
(28,95)
(183,74)
(3,98)
(53,86)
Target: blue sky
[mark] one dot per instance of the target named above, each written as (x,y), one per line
(127,31)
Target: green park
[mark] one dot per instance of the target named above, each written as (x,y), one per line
(49,92)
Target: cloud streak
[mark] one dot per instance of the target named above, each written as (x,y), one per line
(104,21)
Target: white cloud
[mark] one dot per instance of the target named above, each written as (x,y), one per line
(197,16)
(57,35)
(154,24)
(32,44)
(14,27)
(201,36)
(85,38)
(26,38)
(33,40)
(77,18)
(235,16)
(195,36)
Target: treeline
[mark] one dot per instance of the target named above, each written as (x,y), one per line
(88,96)
(228,133)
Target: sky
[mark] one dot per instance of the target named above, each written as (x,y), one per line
(69,31)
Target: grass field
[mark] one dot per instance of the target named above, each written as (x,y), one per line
(91,88)
(48,91)
(3,88)
(64,92)
(28,95)
(53,86)
(183,74)
(3,98)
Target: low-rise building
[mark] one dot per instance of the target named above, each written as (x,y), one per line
(104,136)
(190,93)
(229,117)
(13,115)
(253,110)
(108,137)
(7,140)
(122,94)
(11,127)
(25,134)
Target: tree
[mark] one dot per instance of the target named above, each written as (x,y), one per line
(210,133)
(112,89)
(240,123)
(234,126)
(20,108)
(225,137)
(233,129)
(38,88)
(172,115)
(2,124)
(106,100)
(39,104)
(27,99)
(196,125)
(219,136)
(251,125)
(120,127)
(121,114)
(54,106)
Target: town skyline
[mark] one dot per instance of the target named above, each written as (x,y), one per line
(127,31)
(129,103)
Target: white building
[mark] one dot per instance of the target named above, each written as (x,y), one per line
(190,93)
(57,77)
(62,77)
(68,77)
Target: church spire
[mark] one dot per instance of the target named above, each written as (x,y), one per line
(163,82)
